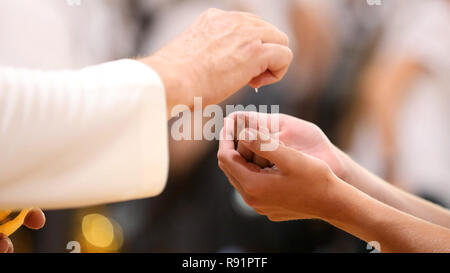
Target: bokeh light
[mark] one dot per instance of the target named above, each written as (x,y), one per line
(97,230)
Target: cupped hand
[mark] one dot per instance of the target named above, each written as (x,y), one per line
(220,53)
(297,186)
(298,134)
(35,219)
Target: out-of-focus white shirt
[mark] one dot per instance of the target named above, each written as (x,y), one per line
(425,39)
(50,34)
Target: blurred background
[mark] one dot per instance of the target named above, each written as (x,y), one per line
(375,78)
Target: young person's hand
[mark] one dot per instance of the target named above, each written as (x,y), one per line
(298,134)
(297,186)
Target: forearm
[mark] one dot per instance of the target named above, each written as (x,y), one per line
(395,231)
(384,100)
(386,193)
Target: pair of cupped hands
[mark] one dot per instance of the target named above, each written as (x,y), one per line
(289,171)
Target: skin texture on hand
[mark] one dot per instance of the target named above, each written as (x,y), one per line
(298,134)
(218,54)
(35,219)
(281,192)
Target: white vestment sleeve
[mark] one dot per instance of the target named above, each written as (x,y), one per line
(78,138)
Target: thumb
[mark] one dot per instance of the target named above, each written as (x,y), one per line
(35,219)
(262,144)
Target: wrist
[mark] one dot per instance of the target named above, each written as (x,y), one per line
(345,162)
(174,82)
(359,214)
(333,202)
(344,202)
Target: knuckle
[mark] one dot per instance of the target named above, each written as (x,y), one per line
(256,47)
(237,17)
(211,11)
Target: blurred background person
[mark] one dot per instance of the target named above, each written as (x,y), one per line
(403,96)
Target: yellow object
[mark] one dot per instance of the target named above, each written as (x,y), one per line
(11,221)
(98,230)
